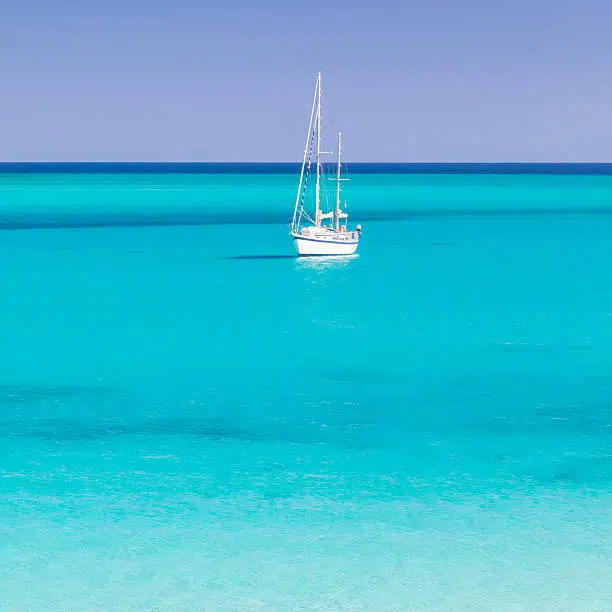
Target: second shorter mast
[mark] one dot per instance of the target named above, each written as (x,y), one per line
(338,211)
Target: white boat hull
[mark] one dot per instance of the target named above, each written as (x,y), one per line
(324,246)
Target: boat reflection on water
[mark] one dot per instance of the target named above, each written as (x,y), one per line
(324,263)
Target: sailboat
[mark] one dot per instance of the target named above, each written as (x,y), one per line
(326,232)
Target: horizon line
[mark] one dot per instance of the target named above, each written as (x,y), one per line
(298,162)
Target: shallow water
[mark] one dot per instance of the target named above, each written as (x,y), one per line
(192,419)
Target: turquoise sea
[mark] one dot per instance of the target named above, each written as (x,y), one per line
(193,419)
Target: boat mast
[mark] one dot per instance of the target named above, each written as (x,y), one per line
(338,183)
(308,136)
(318,187)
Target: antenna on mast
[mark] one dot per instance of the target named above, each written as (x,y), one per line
(318,185)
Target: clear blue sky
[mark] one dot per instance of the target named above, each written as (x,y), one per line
(231,80)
